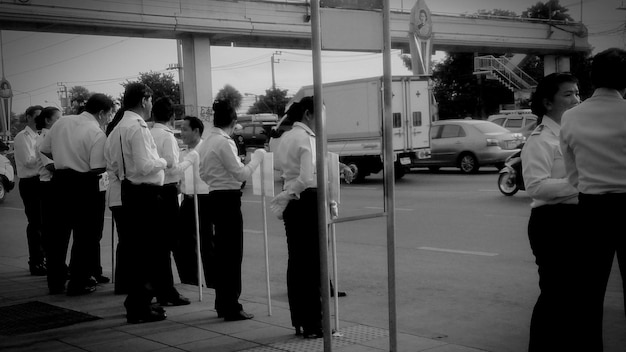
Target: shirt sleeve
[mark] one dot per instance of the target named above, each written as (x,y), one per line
(170,151)
(537,160)
(96,157)
(570,161)
(141,141)
(231,161)
(44,159)
(24,151)
(307,173)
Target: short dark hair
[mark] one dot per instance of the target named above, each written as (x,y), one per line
(223,113)
(608,69)
(98,102)
(30,111)
(195,123)
(547,89)
(46,113)
(162,109)
(134,94)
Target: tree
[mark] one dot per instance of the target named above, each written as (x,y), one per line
(78,96)
(550,10)
(497,13)
(231,94)
(274,101)
(162,85)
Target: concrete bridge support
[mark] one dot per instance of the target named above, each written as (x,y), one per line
(198,88)
(555,63)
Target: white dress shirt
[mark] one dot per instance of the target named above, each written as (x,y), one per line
(296,157)
(25,155)
(220,166)
(186,184)
(131,153)
(544,169)
(76,142)
(593,139)
(45,175)
(167,147)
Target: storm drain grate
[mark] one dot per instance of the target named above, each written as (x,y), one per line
(37,316)
(351,335)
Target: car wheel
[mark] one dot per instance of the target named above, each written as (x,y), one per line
(3,192)
(468,163)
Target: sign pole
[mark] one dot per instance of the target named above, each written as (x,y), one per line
(265,244)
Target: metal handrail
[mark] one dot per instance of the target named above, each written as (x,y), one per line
(507,70)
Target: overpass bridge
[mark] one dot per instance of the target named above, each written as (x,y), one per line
(198,24)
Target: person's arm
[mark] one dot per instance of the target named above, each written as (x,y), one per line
(232,163)
(141,139)
(97,162)
(570,161)
(537,160)
(24,151)
(170,151)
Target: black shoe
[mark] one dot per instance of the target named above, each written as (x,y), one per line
(315,333)
(298,330)
(241,315)
(81,288)
(148,317)
(101,279)
(38,269)
(177,300)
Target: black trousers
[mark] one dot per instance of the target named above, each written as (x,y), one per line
(79,212)
(303,268)
(142,206)
(48,209)
(605,237)
(226,217)
(29,192)
(123,257)
(186,255)
(556,243)
(168,222)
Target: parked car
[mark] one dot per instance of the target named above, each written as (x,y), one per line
(253,134)
(522,121)
(469,144)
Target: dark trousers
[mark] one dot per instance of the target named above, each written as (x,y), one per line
(225,210)
(79,212)
(186,255)
(29,191)
(602,222)
(169,224)
(145,242)
(123,257)
(555,242)
(48,209)
(303,268)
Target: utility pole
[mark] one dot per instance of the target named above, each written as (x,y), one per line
(63,97)
(274,61)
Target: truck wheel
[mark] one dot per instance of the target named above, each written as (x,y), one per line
(399,172)
(3,192)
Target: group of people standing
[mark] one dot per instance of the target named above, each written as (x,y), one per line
(574,168)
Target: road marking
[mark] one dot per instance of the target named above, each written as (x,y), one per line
(10,208)
(381,208)
(251,201)
(486,254)
(364,187)
(252,231)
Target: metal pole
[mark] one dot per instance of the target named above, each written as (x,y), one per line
(322,177)
(112,249)
(389,178)
(333,247)
(273,79)
(195,211)
(1,57)
(265,244)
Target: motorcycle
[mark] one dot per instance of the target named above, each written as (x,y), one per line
(510,179)
(7,176)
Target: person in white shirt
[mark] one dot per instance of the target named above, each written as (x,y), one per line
(49,115)
(132,157)
(222,170)
(191,133)
(593,139)
(167,147)
(76,144)
(554,237)
(28,173)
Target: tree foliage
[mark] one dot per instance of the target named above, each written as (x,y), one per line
(274,101)
(551,9)
(231,94)
(162,84)
(78,93)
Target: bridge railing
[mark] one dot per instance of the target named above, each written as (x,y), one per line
(503,68)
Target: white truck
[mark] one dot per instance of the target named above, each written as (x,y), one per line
(354,128)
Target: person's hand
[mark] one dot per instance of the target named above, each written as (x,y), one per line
(279,203)
(192,156)
(347,173)
(258,155)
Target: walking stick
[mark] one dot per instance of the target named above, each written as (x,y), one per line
(112,249)
(195,211)
(267,261)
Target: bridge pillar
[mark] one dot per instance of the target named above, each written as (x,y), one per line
(554,63)
(197,87)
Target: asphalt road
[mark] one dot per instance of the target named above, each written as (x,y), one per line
(464,269)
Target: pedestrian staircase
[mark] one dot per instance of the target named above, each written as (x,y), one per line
(504,71)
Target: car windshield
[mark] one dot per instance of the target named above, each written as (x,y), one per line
(488,127)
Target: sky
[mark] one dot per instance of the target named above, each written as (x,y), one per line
(38,65)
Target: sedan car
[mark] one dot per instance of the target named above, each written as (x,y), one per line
(469,144)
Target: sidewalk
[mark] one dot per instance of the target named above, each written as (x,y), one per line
(188,328)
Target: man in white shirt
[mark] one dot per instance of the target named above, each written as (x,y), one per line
(28,173)
(76,144)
